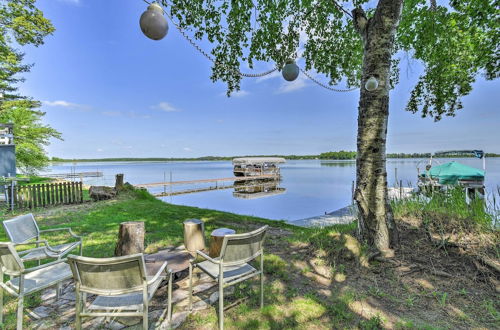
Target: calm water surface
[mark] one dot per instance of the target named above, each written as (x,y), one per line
(313,187)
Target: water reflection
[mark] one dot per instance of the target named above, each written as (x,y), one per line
(257,189)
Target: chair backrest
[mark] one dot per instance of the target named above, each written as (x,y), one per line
(9,259)
(240,248)
(22,228)
(109,276)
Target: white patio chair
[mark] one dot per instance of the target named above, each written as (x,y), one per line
(121,284)
(232,266)
(23,230)
(27,281)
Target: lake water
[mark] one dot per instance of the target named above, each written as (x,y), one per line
(311,187)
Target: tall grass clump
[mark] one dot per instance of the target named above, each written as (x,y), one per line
(449,204)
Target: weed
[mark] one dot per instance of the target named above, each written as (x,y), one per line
(374,323)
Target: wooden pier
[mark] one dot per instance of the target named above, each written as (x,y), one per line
(235,178)
(73,175)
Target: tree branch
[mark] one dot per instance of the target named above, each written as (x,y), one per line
(360,20)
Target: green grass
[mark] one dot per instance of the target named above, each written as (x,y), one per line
(293,299)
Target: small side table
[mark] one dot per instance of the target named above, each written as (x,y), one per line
(217,237)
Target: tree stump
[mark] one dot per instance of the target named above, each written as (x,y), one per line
(130,238)
(216,242)
(194,235)
(119,182)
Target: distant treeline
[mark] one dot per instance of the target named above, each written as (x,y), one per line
(334,155)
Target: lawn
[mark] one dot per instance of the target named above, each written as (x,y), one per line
(315,279)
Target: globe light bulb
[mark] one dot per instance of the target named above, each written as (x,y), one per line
(371,84)
(153,24)
(290,71)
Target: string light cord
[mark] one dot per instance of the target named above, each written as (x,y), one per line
(243,74)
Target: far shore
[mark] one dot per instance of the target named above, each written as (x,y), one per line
(221,158)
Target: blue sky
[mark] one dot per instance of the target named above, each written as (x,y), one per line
(114,93)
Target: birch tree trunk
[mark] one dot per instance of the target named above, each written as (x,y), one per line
(376,222)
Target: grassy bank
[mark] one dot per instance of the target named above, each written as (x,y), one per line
(315,279)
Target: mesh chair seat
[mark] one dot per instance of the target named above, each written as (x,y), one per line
(40,254)
(125,302)
(230,272)
(42,278)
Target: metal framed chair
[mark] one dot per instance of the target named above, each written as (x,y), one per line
(23,230)
(24,281)
(121,284)
(232,266)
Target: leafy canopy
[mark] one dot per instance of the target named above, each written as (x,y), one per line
(455,41)
(21,23)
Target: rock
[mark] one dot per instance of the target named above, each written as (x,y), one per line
(179,295)
(214,297)
(41,312)
(66,327)
(98,193)
(177,319)
(48,294)
(200,305)
(203,286)
(69,296)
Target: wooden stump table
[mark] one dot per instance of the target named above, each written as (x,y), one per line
(177,261)
(217,237)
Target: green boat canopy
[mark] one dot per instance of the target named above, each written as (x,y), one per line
(450,173)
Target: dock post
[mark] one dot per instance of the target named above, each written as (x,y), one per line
(352,193)
(400,189)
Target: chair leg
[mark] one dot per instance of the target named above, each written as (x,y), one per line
(169,307)
(78,308)
(1,305)
(221,305)
(20,306)
(145,317)
(190,287)
(261,290)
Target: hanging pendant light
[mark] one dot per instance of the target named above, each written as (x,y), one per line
(290,71)
(153,24)
(371,84)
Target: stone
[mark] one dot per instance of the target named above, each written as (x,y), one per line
(128,321)
(177,319)
(203,286)
(102,192)
(179,295)
(66,327)
(200,305)
(41,312)
(69,296)
(48,294)
(214,297)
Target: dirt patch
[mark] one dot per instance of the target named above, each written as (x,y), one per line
(425,284)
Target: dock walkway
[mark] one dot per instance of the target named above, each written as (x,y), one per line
(341,216)
(235,178)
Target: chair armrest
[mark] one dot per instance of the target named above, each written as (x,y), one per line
(47,252)
(61,229)
(29,270)
(43,241)
(158,273)
(203,255)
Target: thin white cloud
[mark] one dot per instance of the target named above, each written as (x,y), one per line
(187,149)
(292,86)
(74,2)
(112,113)
(66,104)
(100,150)
(165,106)
(273,75)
